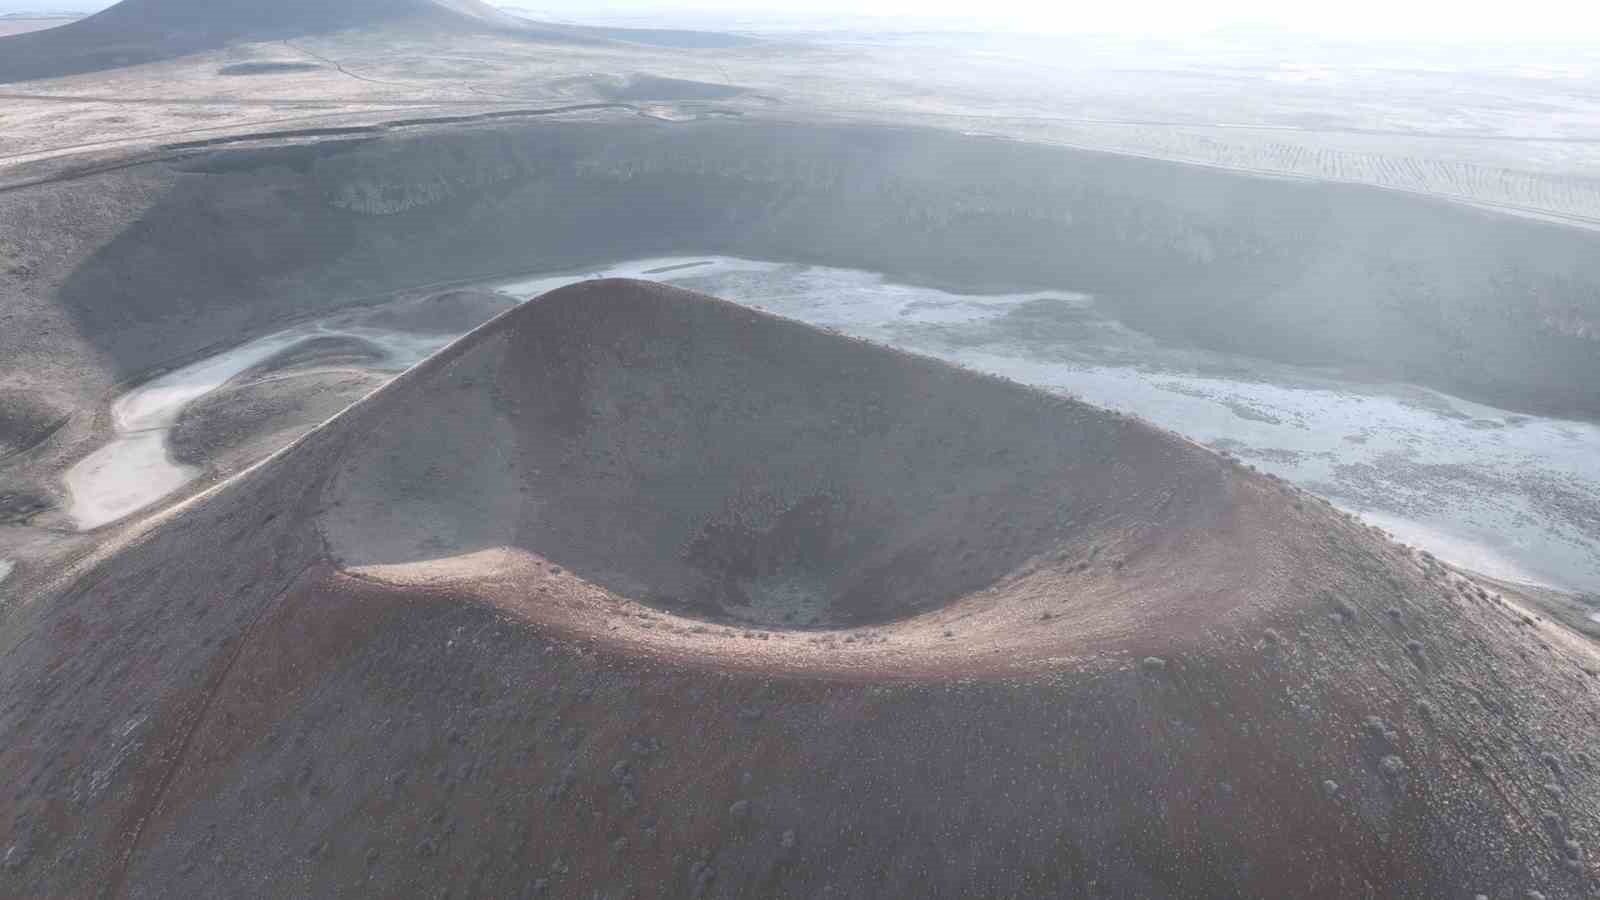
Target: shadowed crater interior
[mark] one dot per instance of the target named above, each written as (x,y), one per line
(718,462)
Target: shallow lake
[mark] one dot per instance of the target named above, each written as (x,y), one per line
(135,469)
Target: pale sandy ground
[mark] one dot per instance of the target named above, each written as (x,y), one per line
(1495,132)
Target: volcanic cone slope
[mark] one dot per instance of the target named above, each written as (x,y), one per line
(632,592)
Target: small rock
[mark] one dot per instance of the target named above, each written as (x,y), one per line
(740,809)
(1380,729)
(1154,664)
(787,840)
(1330,787)
(622,773)
(17,857)
(1551,761)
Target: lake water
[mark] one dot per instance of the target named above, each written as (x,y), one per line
(136,469)
(1512,496)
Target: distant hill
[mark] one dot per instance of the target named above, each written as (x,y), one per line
(142,31)
(246,17)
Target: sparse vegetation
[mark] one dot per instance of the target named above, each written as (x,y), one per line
(715,478)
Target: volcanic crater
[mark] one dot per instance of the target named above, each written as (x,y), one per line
(722,464)
(636,591)
(630,592)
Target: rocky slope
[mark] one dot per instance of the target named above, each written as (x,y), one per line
(514,626)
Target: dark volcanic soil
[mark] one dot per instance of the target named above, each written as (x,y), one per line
(1087,658)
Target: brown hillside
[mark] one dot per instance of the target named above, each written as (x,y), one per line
(635,593)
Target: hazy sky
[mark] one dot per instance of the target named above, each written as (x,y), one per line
(1568,20)
(1571,21)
